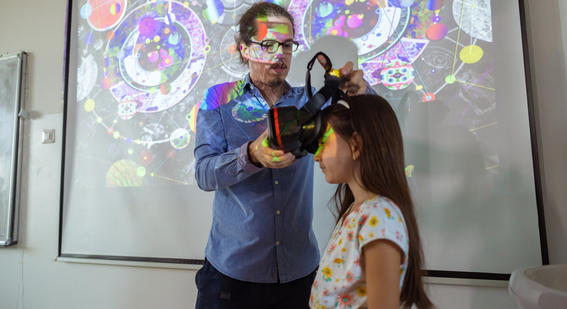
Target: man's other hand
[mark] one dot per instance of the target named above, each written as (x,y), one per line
(355,83)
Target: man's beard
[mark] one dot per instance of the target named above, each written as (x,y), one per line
(278,81)
(263,76)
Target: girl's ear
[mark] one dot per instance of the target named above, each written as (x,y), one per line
(355,143)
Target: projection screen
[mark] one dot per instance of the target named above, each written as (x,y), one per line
(453,70)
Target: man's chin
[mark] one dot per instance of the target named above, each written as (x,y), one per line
(276,82)
(277,79)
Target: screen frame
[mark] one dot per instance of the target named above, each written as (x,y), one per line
(433,273)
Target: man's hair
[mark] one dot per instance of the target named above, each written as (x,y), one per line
(248,22)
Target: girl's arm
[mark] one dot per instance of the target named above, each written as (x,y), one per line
(382,259)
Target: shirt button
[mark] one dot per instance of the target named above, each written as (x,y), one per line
(276,182)
(277,243)
(277,212)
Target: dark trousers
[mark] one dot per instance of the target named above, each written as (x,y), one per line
(217,291)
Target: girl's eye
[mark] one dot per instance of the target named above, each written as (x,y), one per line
(324,139)
(319,149)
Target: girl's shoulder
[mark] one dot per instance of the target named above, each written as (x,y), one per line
(381,218)
(380,205)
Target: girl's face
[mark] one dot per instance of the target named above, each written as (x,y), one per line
(335,158)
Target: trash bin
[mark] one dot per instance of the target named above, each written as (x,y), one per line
(543,287)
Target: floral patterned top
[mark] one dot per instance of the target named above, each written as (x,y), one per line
(340,282)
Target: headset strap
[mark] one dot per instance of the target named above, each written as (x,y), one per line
(308,74)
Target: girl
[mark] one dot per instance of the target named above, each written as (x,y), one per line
(374,257)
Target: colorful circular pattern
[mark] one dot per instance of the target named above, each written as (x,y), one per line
(103,14)
(153,58)
(471,54)
(229,55)
(398,75)
(127,109)
(179,138)
(373,28)
(383,31)
(249,111)
(437,32)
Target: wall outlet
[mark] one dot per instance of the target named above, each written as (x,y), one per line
(48,136)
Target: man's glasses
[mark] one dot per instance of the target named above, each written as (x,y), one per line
(272,46)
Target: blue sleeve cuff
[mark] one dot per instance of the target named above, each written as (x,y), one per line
(369,89)
(244,162)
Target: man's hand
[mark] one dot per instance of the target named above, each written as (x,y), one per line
(261,153)
(355,83)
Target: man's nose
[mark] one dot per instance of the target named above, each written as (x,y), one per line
(279,52)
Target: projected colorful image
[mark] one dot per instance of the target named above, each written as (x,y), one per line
(144,67)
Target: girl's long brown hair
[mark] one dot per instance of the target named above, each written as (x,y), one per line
(382,172)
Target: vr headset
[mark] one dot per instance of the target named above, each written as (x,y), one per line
(298,130)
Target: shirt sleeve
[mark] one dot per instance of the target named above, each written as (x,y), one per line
(383,220)
(217,167)
(369,89)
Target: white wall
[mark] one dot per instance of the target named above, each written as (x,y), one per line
(548,55)
(31,278)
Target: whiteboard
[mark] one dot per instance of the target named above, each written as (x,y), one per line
(453,71)
(11,128)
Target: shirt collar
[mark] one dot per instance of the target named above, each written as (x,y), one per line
(248,82)
(249,85)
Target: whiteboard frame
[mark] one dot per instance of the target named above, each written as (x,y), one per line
(434,275)
(11,226)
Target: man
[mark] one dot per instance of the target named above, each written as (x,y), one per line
(261,251)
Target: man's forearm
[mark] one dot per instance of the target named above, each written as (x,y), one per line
(215,171)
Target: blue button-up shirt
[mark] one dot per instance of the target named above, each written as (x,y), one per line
(261,229)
